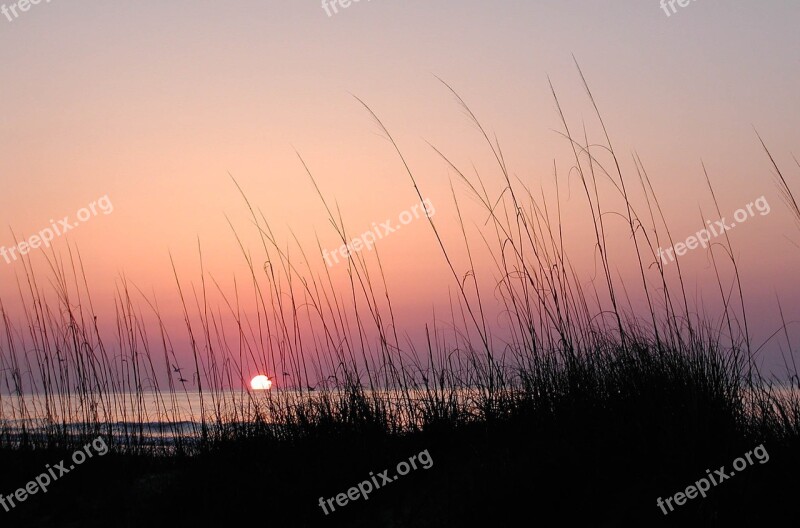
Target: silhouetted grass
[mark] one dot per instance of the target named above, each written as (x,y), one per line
(587,413)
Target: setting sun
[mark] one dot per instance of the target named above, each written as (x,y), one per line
(260,382)
(464,291)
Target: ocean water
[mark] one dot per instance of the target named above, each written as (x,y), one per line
(153,417)
(158,419)
(148,416)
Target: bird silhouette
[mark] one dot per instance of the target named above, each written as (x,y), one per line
(183,380)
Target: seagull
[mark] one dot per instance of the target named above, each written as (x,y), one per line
(176,369)
(183,380)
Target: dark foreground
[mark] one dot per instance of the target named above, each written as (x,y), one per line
(597,445)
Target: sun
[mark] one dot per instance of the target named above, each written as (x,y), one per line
(260,382)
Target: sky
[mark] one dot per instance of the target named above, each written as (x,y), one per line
(155,107)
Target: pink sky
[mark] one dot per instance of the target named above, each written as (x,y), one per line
(154,104)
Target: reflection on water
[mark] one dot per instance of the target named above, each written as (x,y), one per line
(157,419)
(161,420)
